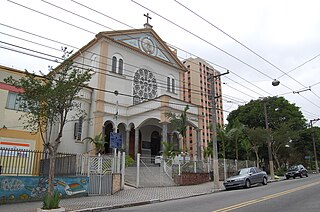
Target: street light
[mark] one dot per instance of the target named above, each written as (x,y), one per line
(275,82)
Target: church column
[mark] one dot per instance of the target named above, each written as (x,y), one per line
(164,134)
(127,141)
(136,141)
(170,138)
(198,144)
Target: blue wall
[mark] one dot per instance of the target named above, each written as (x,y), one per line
(24,188)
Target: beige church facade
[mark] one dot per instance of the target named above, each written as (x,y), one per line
(137,79)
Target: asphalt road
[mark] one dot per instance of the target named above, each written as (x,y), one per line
(288,195)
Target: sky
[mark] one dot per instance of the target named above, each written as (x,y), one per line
(257,41)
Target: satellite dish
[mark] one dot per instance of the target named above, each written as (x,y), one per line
(275,82)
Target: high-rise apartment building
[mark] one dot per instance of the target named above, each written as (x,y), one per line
(197,90)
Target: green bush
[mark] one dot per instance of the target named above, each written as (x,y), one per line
(281,171)
(51,202)
(129,160)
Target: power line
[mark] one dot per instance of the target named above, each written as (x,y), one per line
(109,28)
(246,47)
(42,13)
(108,91)
(206,41)
(299,66)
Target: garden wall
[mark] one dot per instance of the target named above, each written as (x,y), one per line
(191,178)
(29,188)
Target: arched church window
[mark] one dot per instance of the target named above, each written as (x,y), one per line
(168,83)
(114,64)
(120,67)
(171,84)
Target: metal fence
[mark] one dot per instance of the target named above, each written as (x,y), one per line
(99,168)
(19,162)
(226,166)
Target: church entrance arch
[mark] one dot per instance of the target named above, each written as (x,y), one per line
(155,143)
(108,127)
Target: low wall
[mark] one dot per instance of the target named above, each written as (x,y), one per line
(116,183)
(29,188)
(191,178)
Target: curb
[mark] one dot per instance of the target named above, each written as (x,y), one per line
(103,208)
(152,201)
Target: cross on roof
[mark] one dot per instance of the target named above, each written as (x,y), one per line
(148,17)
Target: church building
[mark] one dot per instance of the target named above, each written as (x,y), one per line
(137,79)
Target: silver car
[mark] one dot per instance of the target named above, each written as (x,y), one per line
(246,177)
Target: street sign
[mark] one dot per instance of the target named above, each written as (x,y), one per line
(115,140)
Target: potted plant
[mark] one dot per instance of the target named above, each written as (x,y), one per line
(51,203)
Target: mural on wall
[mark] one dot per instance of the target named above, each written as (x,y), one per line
(19,188)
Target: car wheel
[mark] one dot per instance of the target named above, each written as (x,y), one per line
(294,177)
(301,175)
(247,183)
(287,177)
(264,181)
(307,175)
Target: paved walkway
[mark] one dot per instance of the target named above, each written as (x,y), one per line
(125,198)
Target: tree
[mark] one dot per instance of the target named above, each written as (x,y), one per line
(208,151)
(168,150)
(98,141)
(245,144)
(47,102)
(281,137)
(256,137)
(180,122)
(222,136)
(279,110)
(235,133)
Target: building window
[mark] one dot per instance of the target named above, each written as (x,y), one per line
(117,64)
(120,68)
(114,64)
(13,101)
(170,84)
(78,129)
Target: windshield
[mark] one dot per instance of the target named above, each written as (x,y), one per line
(292,168)
(242,171)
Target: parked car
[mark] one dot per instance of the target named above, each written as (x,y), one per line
(296,171)
(246,177)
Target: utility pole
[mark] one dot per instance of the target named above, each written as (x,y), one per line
(269,141)
(216,185)
(314,145)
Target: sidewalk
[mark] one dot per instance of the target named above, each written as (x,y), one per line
(125,198)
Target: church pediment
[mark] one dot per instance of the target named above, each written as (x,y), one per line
(148,42)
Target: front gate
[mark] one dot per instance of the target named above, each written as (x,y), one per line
(100,175)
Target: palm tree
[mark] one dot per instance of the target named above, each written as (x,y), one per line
(235,132)
(98,141)
(223,136)
(245,144)
(180,122)
(168,150)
